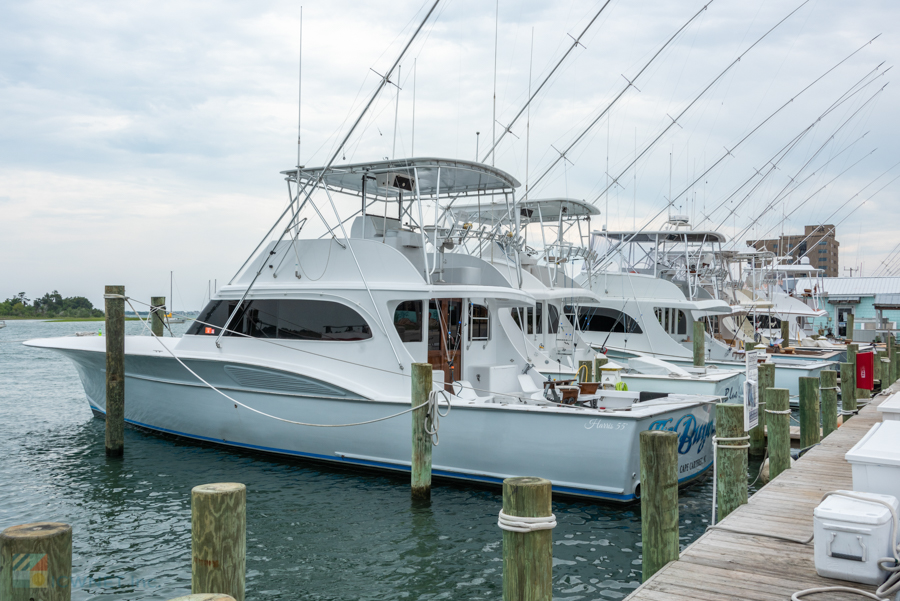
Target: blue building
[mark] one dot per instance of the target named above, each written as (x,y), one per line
(873,302)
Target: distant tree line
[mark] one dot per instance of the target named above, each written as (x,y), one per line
(51,304)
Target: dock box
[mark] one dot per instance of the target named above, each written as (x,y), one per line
(890,409)
(875,460)
(851,535)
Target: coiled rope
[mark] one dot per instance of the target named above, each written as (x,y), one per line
(513,523)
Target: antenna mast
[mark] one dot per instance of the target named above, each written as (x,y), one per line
(494,114)
(300,90)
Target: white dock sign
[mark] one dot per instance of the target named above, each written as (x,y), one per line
(751,392)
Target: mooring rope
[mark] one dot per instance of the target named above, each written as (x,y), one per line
(514,523)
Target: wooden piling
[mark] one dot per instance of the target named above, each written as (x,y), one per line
(766,375)
(46,571)
(699,344)
(895,365)
(809,412)
(421,440)
(588,376)
(527,556)
(886,372)
(850,328)
(598,363)
(731,459)
(219,539)
(890,355)
(779,430)
(157,310)
(828,398)
(848,388)
(876,367)
(659,500)
(115,372)
(785,333)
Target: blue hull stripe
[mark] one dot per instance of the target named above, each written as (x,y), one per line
(581,492)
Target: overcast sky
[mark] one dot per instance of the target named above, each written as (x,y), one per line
(142,137)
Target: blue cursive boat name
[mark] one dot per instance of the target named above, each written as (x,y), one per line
(689,430)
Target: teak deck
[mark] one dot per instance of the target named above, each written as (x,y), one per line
(723,565)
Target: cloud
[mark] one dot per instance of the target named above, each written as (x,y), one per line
(148,136)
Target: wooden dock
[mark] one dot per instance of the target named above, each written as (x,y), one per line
(724,565)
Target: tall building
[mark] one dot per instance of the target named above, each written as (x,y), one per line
(817,243)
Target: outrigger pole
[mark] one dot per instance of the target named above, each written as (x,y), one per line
(337,152)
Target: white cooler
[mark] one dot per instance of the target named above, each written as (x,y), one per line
(851,536)
(890,409)
(876,460)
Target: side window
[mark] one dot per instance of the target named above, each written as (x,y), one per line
(682,322)
(602,319)
(538,318)
(285,318)
(480,322)
(408,321)
(552,319)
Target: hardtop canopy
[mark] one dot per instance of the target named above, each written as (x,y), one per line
(389,179)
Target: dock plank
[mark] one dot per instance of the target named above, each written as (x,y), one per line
(728,565)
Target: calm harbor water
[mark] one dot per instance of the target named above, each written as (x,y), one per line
(313,531)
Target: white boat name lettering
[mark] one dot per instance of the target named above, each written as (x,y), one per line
(601,424)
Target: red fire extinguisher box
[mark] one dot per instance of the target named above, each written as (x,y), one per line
(865,370)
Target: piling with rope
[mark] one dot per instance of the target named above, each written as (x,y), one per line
(527,522)
(114,300)
(885,372)
(420,469)
(659,500)
(219,539)
(699,344)
(36,562)
(766,375)
(778,425)
(848,388)
(809,412)
(731,442)
(157,312)
(785,333)
(828,395)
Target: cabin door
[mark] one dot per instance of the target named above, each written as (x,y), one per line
(445,318)
(843,312)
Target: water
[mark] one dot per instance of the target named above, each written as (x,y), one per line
(313,531)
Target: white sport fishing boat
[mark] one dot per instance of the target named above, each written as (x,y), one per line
(324,331)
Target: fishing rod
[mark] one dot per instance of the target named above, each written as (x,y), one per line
(630,84)
(674,122)
(834,227)
(773,167)
(575,43)
(694,101)
(784,151)
(808,198)
(781,196)
(789,101)
(381,84)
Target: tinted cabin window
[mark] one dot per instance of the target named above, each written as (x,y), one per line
(408,321)
(284,318)
(602,319)
(538,318)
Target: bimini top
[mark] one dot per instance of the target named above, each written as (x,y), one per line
(547,209)
(689,236)
(436,178)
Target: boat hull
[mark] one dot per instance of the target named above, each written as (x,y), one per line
(583,452)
